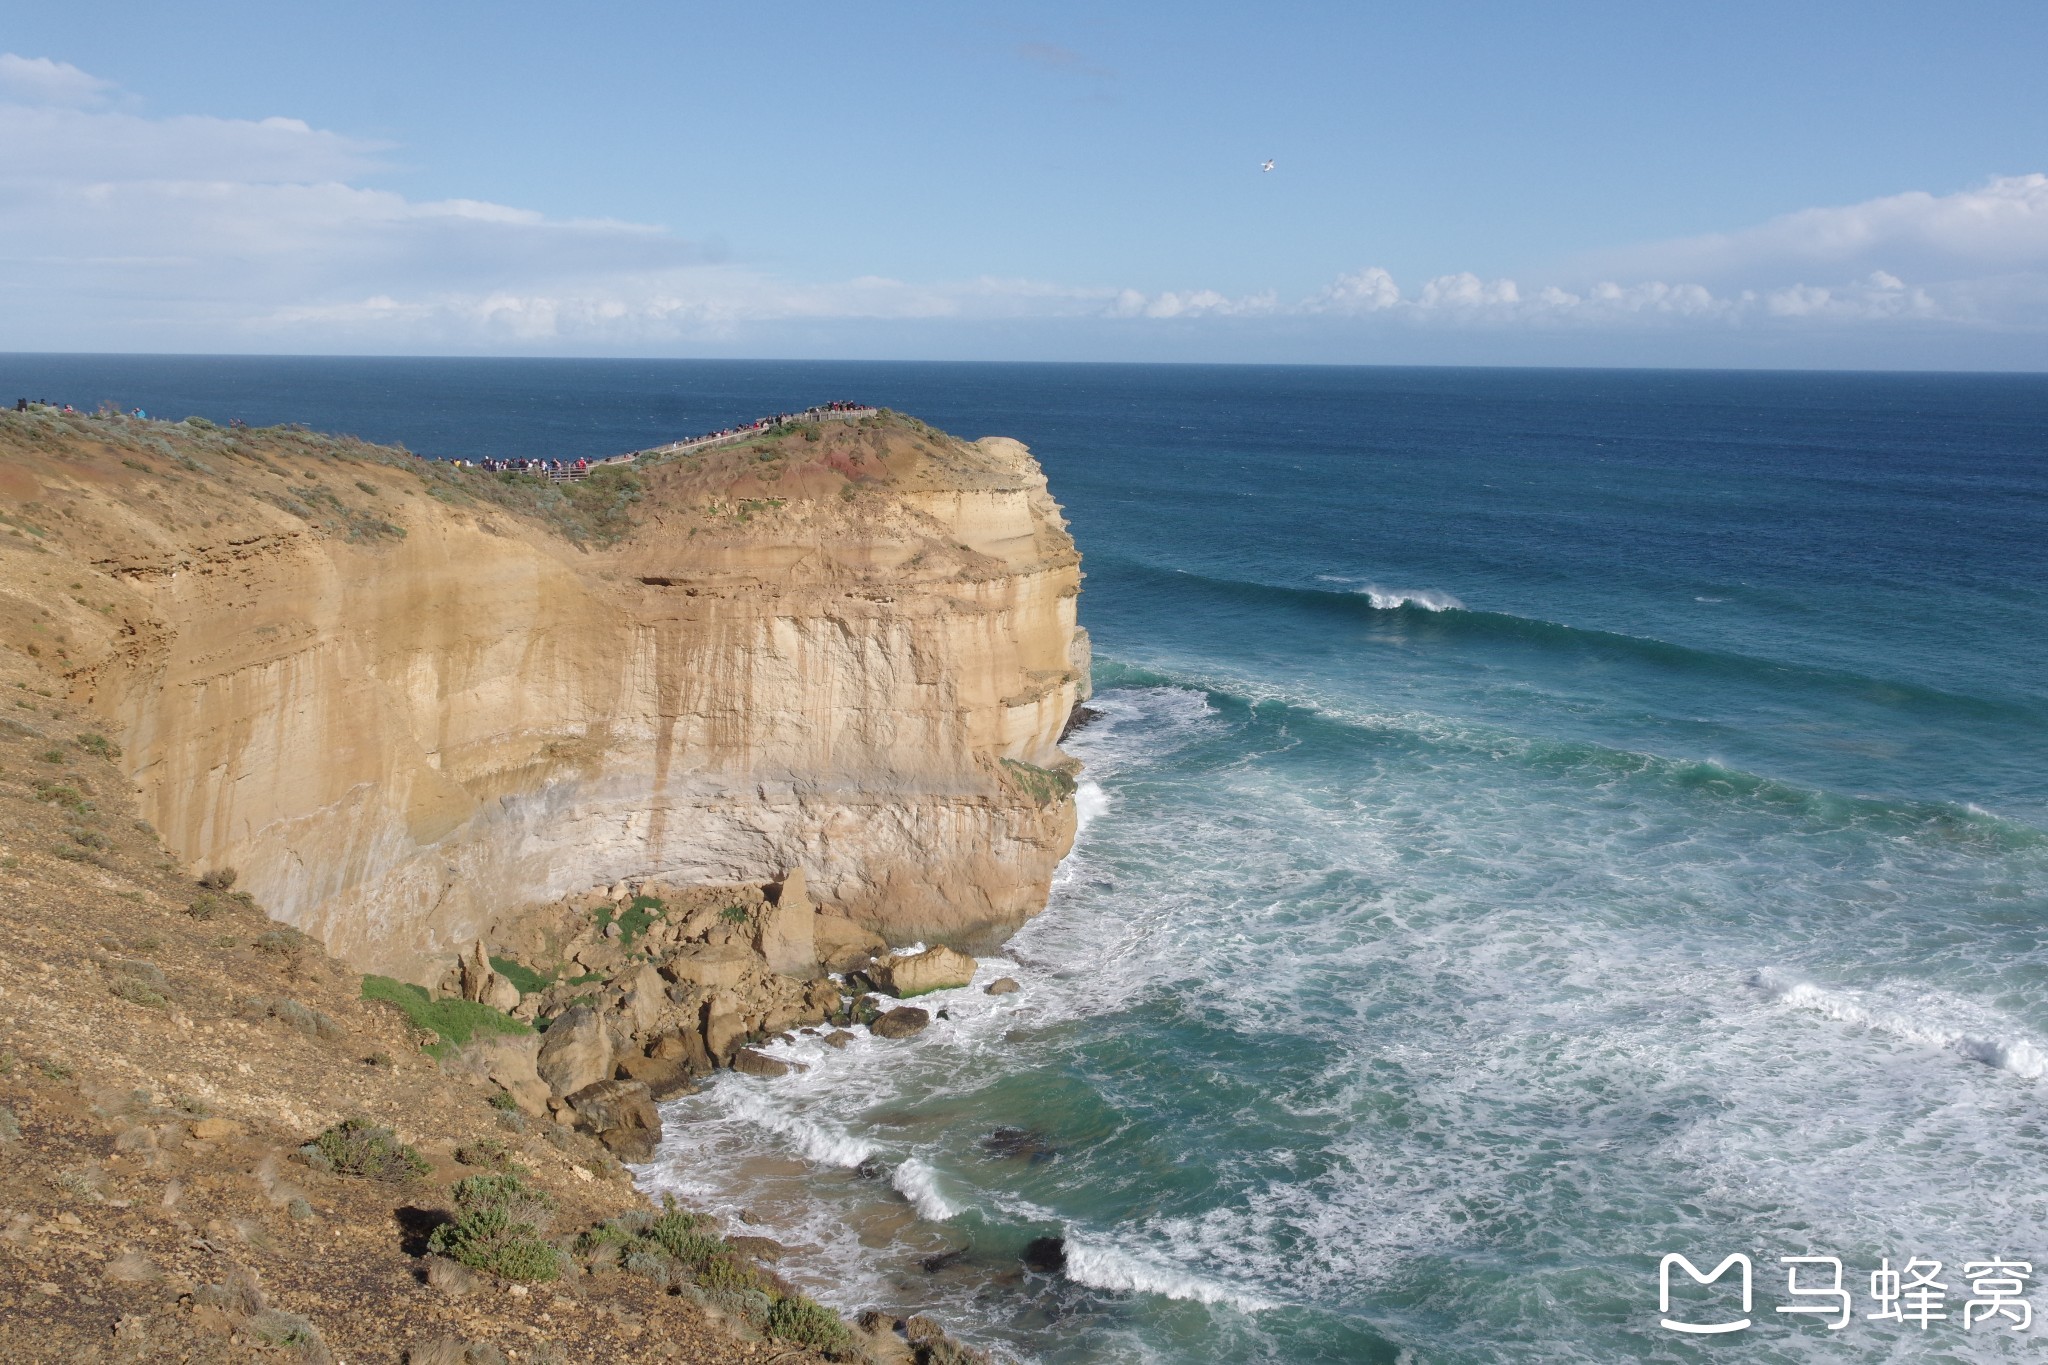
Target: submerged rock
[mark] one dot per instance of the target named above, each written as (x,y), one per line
(1047,1255)
(1019,1144)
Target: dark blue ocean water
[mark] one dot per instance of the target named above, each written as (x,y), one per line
(1541,820)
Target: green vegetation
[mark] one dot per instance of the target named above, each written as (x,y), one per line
(529,981)
(358,1147)
(1045,786)
(498,1228)
(491,1154)
(676,1247)
(634,922)
(802,1321)
(734,914)
(455,1022)
(99,745)
(138,993)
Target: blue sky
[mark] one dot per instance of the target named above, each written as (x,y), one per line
(1806,184)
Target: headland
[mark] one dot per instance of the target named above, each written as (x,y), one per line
(518,803)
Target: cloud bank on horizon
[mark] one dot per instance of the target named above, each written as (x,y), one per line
(123,231)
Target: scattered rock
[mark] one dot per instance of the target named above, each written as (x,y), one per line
(510,1061)
(711,967)
(575,1052)
(686,1047)
(1002,985)
(482,982)
(838,1037)
(901,1023)
(751,1063)
(758,1248)
(1047,1255)
(843,946)
(724,1031)
(622,1116)
(645,997)
(783,933)
(664,1077)
(934,969)
(213,1130)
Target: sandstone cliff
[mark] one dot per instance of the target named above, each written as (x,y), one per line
(405,700)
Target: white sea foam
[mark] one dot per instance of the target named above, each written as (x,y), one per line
(815,1139)
(919,1183)
(1426,599)
(1102,1265)
(1089,801)
(1927,1020)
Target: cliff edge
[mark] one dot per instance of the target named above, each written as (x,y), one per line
(405,699)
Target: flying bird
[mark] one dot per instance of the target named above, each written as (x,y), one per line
(1266,165)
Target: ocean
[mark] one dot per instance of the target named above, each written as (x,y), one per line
(1539,822)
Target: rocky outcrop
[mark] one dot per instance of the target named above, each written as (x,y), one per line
(403,699)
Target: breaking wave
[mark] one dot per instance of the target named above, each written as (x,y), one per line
(1102,1266)
(919,1183)
(1921,1021)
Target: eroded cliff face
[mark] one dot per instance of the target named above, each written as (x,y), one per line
(404,702)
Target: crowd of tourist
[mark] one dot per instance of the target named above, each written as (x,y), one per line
(811,414)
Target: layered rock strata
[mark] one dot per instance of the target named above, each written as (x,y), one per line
(404,700)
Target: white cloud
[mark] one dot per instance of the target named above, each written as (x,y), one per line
(119,230)
(2000,225)
(38,80)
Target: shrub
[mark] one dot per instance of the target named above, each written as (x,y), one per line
(503,1101)
(52,755)
(498,1227)
(491,1153)
(358,1147)
(136,993)
(218,879)
(734,914)
(286,941)
(802,1321)
(99,745)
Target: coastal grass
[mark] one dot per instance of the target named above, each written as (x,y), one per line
(454,1022)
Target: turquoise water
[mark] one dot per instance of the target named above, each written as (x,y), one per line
(1539,821)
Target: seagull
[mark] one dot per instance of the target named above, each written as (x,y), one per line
(1267,164)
